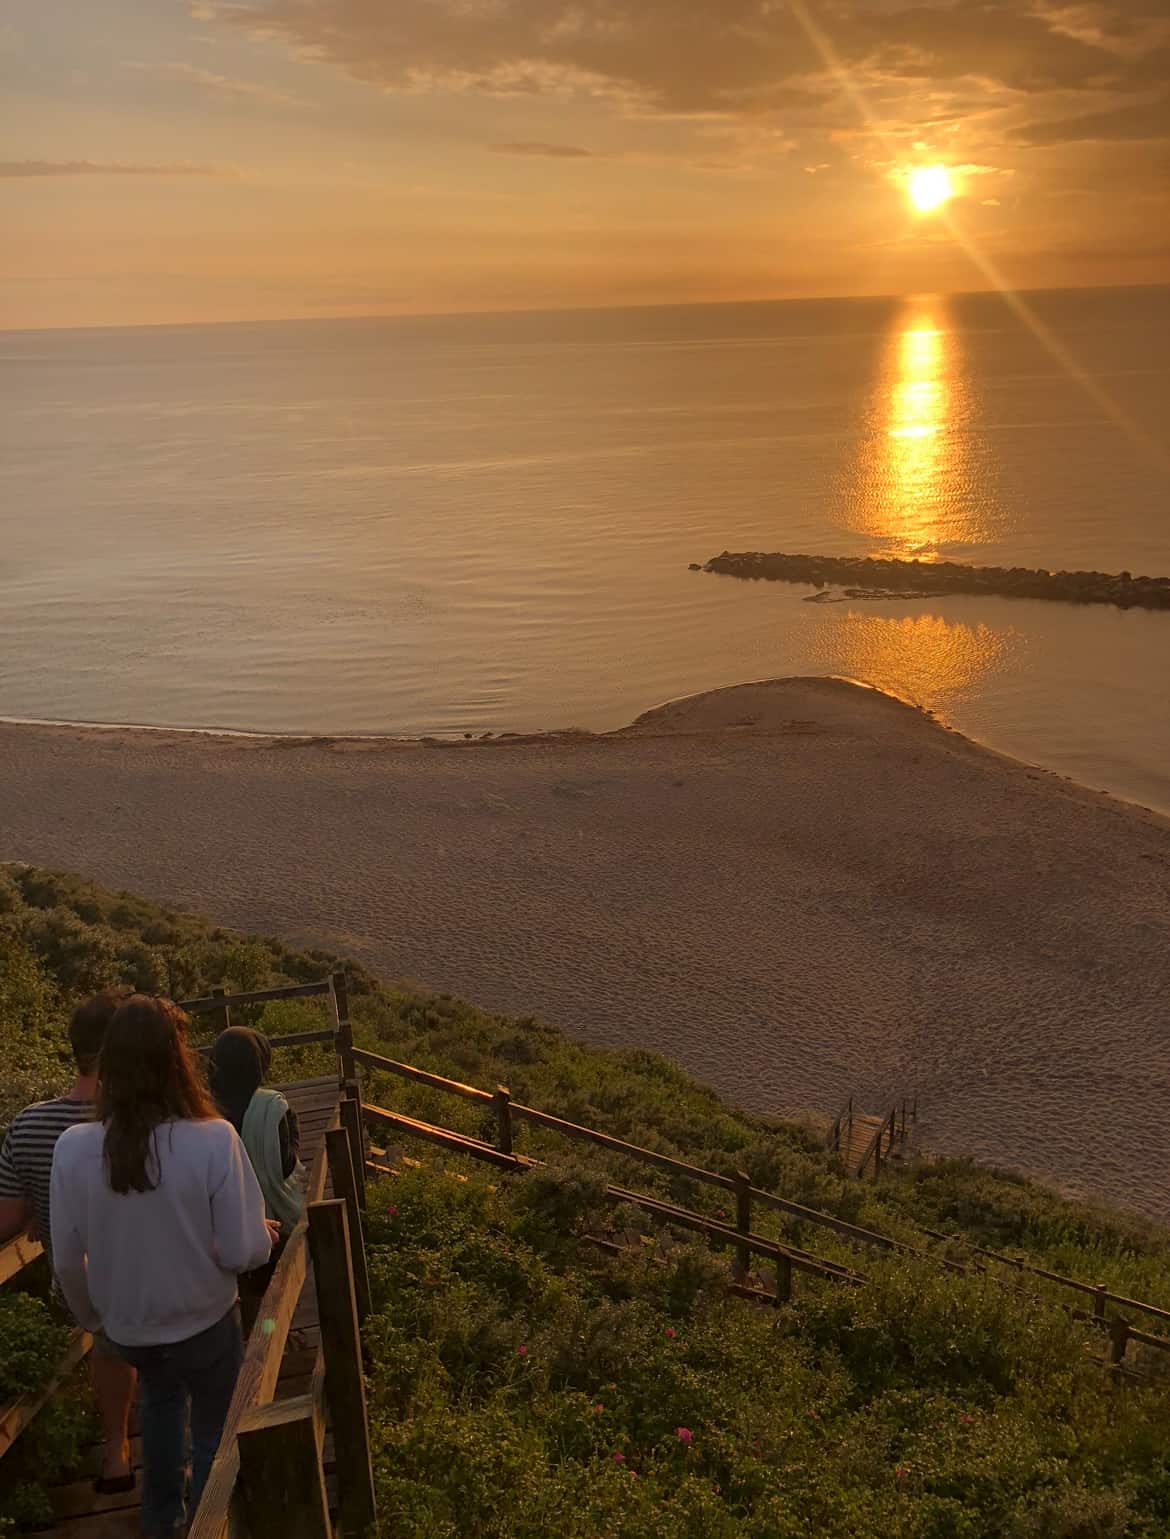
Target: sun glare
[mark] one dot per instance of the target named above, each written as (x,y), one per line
(930,187)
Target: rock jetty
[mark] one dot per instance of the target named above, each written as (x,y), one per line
(871,577)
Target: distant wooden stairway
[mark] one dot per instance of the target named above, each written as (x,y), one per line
(864,1142)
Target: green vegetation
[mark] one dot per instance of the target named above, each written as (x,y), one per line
(527,1382)
(33,1343)
(525,1385)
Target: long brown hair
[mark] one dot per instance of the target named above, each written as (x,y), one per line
(146,1076)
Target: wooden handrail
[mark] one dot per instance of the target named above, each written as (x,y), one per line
(290,1039)
(1096,1291)
(18,1253)
(211,1002)
(421,1076)
(873,1150)
(459,1143)
(786,1258)
(620,1146)
(833,1141)
(281,1483)
(510,1161)
(260,1371)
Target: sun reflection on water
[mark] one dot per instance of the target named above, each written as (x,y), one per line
(924,658)
(913,497)
(915,474)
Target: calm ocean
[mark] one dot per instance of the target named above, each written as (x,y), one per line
(464,524)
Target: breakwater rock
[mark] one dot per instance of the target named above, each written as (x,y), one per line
(870,577)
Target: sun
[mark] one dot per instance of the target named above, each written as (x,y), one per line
(929,188)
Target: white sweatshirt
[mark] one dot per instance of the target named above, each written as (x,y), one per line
(156,1266)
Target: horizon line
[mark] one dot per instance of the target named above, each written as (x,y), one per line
(582,309)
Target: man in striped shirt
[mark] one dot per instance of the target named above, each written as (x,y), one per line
(26,1163)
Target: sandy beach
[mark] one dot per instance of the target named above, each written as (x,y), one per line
(799,889)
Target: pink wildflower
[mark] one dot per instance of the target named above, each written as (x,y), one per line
(684,1435)
(815,1415)
(392,1212)
(671,1332)
(598,1408)
(521,1351)
(966,1420)
(901,1472)
(619,1458)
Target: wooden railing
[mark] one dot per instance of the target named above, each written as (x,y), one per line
(219,1001)
(502,1154)
(268,1480)
(840,1135)
(892,1131)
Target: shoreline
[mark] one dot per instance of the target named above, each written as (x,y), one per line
(556,735)
(799,889)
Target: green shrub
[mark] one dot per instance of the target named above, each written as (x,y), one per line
(31,1344)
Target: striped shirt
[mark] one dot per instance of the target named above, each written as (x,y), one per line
(26,1158)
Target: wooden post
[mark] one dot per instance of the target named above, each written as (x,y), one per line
(219,992)
(1099,1302)
(339,998)
(282,1480)
(743,1221)
(351,1121)
(345,1188)
(783,1280)
(503,1099)
(345,1389)
(1118,1341)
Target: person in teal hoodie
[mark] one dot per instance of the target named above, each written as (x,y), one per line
(268,1130)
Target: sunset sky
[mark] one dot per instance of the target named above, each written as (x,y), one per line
(164,161)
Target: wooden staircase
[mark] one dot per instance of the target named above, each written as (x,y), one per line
(864,1142)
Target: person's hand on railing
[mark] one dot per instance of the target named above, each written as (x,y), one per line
(273,1230)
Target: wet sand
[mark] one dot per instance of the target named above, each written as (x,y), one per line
(798,889)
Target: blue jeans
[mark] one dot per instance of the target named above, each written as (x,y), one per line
(184,1390)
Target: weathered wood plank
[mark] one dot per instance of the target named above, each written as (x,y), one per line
(419,1076)
(282,1475)
(345,1389)
(338,1153)
(253,997)
(261,1366)
(457,1143)
(17,1254)
(339,1001)
(620,1146)
(351,1121)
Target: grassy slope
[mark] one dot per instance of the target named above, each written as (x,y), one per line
(513,1362)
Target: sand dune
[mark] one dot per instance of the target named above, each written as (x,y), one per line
(798,889)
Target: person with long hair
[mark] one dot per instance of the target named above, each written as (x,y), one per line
(155,1211)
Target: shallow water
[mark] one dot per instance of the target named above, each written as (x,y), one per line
(467,524)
